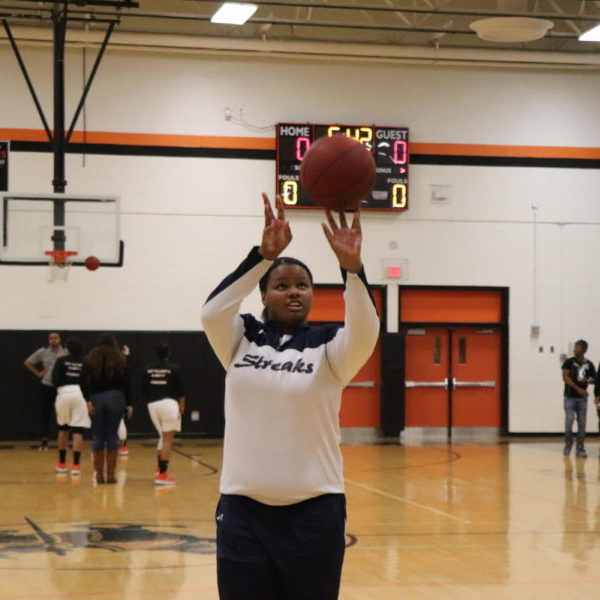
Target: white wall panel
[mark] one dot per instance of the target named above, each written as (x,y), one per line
(187,221)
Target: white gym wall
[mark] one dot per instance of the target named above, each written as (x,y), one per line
(187,221)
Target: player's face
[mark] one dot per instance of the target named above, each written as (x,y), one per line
(578,351)
(54,340)
(288,296)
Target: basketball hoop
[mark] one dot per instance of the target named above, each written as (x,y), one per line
(60,263)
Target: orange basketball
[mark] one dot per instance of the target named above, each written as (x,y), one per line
(92,263)
(337,172)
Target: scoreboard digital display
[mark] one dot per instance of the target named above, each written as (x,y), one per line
(389,146)
(3,166)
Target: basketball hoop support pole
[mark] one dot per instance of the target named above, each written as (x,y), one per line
(59,20)
(57,138)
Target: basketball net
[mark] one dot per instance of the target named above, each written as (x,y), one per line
(60,264)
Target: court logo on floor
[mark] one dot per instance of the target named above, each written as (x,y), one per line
(63,539)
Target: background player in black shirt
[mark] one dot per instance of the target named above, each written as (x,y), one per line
(71,409)
(162,388)
(577,373)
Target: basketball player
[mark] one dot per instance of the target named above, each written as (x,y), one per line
(577,373)
(281,515)
(71,409)
(106,384)
(40,363)
(162,387)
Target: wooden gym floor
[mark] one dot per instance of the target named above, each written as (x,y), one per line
(513,520)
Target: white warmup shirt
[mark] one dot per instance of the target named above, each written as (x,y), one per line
(283,393)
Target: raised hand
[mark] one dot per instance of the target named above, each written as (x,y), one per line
(345,241)
(276,233)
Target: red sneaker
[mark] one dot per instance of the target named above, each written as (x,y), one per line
(75,470)
(123,451)
(163,479)
(61,467)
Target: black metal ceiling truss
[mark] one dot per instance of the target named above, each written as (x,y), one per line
(59,17)
(101,15)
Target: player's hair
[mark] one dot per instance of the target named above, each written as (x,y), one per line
(105,360)
(583,344)
(282,260)
(74,346)
(163,350)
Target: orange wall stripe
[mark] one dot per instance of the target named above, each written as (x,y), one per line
(146,139)
(256,143)
(511,151)
(24,135)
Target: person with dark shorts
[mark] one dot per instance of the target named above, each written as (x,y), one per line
(106,385)
(40,363)
(282,511)
(71,409)
(162,387)
(577,372)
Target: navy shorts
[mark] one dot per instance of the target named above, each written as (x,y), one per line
(292,552)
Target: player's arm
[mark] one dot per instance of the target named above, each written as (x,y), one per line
(181,401)
(597,388)
(354,343)
(220,314)
(84,384)
(33,369)
(128,391)
(31,362)
(568,381)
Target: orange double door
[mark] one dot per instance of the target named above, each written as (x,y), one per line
(453,378)
(360,402)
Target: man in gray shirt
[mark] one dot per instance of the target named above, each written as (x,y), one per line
(40,363)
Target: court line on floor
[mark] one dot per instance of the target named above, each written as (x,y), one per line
(454,456)
(213,470)
(405,501)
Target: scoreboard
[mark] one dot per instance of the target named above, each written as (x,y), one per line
(389,146)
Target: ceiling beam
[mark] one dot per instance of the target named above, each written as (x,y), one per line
(355,52)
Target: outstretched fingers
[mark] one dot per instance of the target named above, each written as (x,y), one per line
(356,221)
(332,224)
(268,210)
(342,217)
(328,234)
(280,208)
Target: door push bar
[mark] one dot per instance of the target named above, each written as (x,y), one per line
(434,384)
(485,384)
(445,384)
